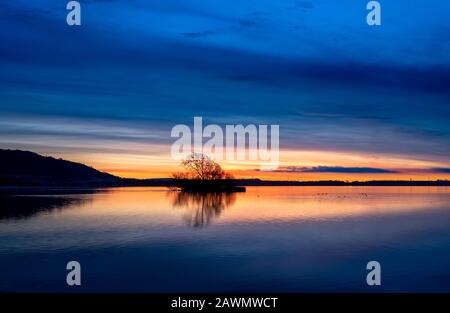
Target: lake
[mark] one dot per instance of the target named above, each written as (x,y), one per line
(268,239)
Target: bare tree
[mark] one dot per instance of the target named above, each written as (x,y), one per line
(200,166)
(204,175)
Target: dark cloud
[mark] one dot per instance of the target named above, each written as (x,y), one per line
(87,46)
(290,72)
(441,170)
(247,23)
(333,169)
(253,20)
(304,5)
(93,1)
(199,34)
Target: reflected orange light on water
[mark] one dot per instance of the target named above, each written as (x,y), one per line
(332,202)
(257,204)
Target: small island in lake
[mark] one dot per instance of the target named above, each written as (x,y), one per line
(204,175)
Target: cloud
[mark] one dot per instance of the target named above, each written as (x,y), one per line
(333,169)
(304,5)
(223,59)
(199,34)
(93,1)
(233,59)
(295,71)
(359,170)
(441,170)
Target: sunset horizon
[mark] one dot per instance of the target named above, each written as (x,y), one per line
(288,172)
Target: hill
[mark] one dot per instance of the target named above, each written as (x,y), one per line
(19,167)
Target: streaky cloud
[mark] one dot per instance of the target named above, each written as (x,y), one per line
(333,169)
(442,170)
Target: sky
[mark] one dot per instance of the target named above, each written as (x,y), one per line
(353,102)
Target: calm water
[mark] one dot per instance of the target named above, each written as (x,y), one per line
(295,239)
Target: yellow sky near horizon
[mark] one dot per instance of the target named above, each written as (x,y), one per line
(133,165)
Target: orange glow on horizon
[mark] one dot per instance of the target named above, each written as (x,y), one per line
(162,166)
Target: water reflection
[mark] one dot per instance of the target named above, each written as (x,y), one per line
(201,208)
(313,239)
(14,207)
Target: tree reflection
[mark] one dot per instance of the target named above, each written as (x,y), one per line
(201,208)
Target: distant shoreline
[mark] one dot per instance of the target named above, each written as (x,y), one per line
(25,169)
(168,182)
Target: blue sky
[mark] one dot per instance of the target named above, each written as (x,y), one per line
(117,84)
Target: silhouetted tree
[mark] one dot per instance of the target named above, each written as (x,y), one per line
(200,166)
(204,174)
